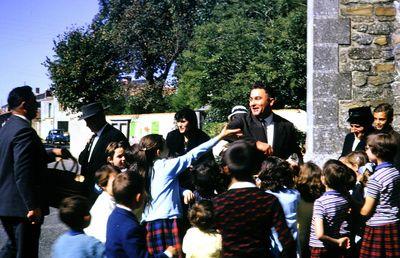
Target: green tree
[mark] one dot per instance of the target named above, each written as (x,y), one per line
(84,69)
(143,38)
(245,41)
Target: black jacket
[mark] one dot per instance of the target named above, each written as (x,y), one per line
(99,156)
(23,163)
(285,137)
(175,142)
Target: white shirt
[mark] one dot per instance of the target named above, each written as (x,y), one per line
(96,139)
(269,123)
(243,184)
(23,117)
(100,212)
(355,143)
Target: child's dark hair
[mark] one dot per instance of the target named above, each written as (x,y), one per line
(382,145)
(103,174)
(72,211)
(130,155)
(201,215)
(338,176)
(146,150)
(275,174)
(242,159)
(110,150)
(126,186)
(204,176)
(309,183)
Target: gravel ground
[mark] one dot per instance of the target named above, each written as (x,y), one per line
(51,229)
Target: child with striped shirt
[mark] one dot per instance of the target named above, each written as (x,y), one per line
(382,202)
(330,232)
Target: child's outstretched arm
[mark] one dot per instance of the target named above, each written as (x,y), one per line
(177,165)
(343,242)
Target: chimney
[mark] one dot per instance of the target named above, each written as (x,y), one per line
(37,90)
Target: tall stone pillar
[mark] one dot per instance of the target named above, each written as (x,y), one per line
(353,59)
(326,31)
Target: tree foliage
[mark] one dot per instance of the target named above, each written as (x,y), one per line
(150,33)
(245,41)
(84,69)
(220,48)
(139,37)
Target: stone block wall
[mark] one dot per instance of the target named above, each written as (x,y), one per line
(369,57)
(353,59)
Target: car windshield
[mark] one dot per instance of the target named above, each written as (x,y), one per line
(57,132)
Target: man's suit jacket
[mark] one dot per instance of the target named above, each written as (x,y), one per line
(23,163)
(125,237)
(99,156)
(285,138)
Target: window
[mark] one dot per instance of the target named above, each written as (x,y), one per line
(49,112)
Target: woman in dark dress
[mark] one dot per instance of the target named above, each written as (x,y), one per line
(187,135)
(360,120)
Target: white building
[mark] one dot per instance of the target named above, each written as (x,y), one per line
(52,115)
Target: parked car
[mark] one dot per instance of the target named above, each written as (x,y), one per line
(57,136)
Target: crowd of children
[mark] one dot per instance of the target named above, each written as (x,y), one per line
(249,205)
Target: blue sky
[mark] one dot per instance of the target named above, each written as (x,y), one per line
(27,31)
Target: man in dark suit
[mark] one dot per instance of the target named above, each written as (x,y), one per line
(272,134)
(94,155)
(22,176)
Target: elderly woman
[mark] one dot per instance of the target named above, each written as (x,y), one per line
(360,120)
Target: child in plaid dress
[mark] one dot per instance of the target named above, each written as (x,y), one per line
(382,202)
(163,209)
(330,222)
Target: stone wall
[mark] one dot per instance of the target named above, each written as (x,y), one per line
(351,62)
(370,57)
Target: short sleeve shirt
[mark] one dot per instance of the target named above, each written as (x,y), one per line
(384,187)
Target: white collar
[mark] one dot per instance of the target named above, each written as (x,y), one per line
(243,184)
(124,207)
(23,117)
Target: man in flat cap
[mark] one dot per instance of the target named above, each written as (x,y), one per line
(94,155)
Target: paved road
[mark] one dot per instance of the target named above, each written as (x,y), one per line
(51,229)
